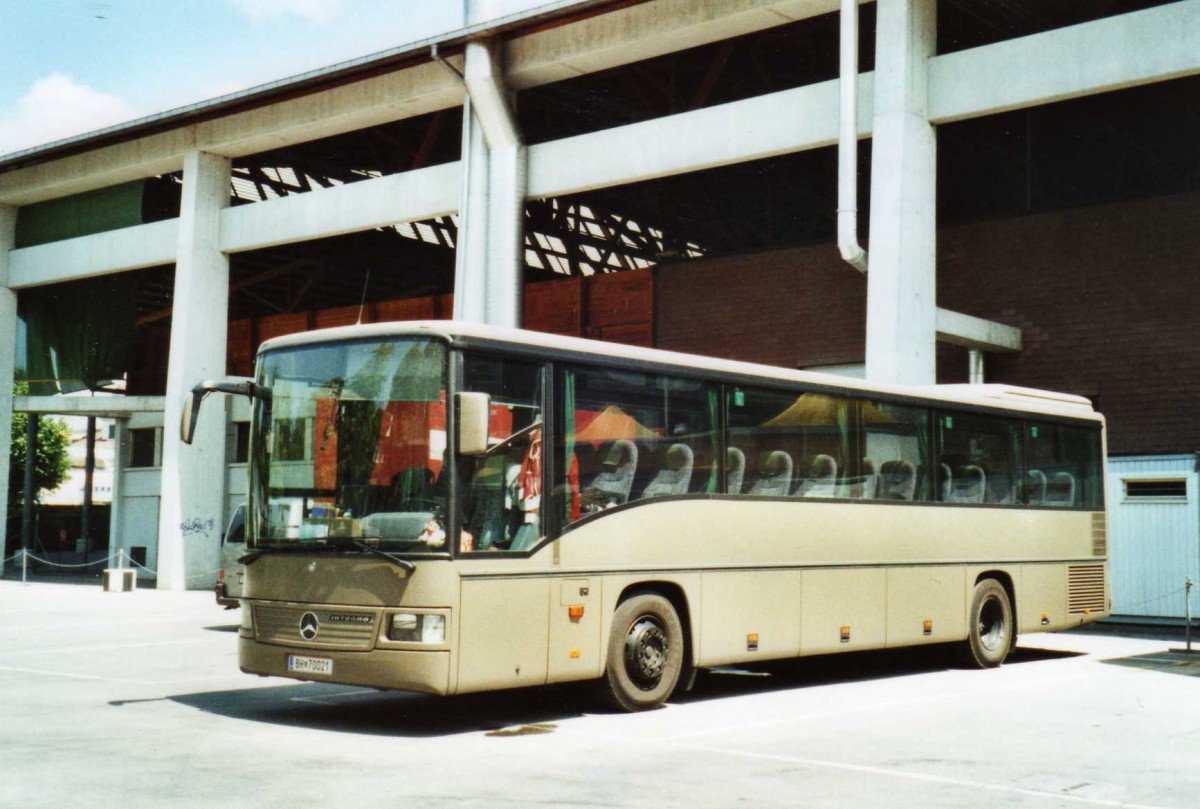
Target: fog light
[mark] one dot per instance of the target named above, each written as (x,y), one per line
(433,629)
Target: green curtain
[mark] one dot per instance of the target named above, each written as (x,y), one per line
(844,426)
(714,435)
(568,440)
(79,334)
(1016,437)
(924,482)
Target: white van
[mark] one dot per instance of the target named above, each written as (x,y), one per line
(232,574)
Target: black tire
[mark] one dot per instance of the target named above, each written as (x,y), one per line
(990,629)
(645,653)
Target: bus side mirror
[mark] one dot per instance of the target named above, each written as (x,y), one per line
(191,413)
(473,417)
(233,385)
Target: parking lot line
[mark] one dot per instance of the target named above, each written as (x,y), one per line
(107,647)
(865,707)
(913,776)
(74,676)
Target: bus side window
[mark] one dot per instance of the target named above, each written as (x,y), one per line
(1064,466)
(501,504)
(980,458)
(627,436)
(895,439)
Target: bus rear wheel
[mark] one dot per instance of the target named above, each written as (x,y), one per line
(989,626)
(645,653)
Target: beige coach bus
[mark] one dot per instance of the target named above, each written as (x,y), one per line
(445,508)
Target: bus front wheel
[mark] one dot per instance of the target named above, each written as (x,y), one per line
(645,653)
(989,626)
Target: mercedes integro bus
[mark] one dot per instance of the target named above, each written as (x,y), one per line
(445,507)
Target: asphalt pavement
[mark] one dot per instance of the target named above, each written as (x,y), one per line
(135,699)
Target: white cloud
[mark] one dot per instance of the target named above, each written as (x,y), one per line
(57,107)
(314,10)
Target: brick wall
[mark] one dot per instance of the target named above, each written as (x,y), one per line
(794,308)
(1109,305)
(1107,297)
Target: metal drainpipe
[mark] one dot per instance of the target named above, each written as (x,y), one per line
(507,173)
(847,211)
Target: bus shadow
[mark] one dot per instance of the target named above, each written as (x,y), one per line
(364,711)
(819,670)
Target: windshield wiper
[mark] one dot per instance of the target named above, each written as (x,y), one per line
(326,544)
(404,564)
(274,547)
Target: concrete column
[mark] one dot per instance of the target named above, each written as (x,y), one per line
(901,299)
(8,352)
(193,477)
(116,541)
(506,235)
(470,260)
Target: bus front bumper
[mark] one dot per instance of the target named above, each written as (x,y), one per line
(427,672)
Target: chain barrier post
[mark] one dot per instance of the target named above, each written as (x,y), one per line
(1187,600)
(24,565)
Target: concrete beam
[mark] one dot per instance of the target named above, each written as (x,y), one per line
(393,96)
(976,333)
(1136,48)
(643,31)
(765,126)
(406,93)
(596,43)
(407,197)
(1156,44)
(99,168)
(98,254)
(114,407)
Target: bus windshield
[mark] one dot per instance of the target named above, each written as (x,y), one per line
(348,448)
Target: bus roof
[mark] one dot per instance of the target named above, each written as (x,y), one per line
(985,395)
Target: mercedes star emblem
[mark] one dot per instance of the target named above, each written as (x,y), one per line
(308,625)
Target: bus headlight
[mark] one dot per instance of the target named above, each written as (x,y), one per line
(247,627)
(411,627)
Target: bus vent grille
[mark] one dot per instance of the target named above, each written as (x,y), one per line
(1099,535)
(336,629)
(1085,589)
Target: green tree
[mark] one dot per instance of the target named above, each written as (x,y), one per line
(51,464)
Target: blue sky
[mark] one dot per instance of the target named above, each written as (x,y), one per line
(72,66)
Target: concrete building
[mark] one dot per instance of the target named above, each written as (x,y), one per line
(662,172)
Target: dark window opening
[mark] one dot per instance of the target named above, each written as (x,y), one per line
(1156,489)
(143,450)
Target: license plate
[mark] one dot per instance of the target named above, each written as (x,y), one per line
(310,665)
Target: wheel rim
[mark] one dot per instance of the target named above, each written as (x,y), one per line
(646,651)
(991,624)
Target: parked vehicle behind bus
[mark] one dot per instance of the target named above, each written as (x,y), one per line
(232,574)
